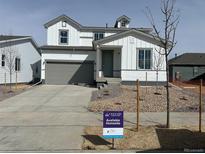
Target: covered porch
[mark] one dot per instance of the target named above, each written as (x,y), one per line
(108,64)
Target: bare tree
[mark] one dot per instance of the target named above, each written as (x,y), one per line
(166,36)
(158,65)
(10,53)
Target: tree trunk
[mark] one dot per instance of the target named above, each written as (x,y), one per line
(157,76)
(10,73)
(167,91)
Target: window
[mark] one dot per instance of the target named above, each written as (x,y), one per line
(196,70)
(63,37)
(144,59)
(63,23)
(3,60)
(123,24)
(98,36)
(17,64)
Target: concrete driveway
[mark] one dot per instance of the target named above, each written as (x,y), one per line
(45,118)
(51,118)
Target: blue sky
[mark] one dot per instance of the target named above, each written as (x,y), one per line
(26,17)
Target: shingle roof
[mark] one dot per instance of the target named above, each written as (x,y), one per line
(188,59)
(132,32)
(123,17)
(90,28)
(10,37)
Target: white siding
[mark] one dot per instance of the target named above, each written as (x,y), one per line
(116,62)
(129,59)
(66,55)
(76,38)
(86,38)
(53,34)
(28,55)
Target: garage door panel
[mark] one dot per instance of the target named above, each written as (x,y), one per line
(69,73)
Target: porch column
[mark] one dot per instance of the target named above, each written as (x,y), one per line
(98,63)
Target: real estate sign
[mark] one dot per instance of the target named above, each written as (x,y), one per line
(113,124)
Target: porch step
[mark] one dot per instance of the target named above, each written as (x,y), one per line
(104,82)
(113,80)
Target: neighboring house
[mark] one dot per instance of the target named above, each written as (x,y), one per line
(186,67)
(81,54)
(26,61)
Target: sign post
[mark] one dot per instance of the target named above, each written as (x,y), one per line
(113,125)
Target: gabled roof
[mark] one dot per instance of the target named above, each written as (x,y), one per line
(133,32)
(123,17)
(7,39)
(188,59)
(63,18)
(90,28)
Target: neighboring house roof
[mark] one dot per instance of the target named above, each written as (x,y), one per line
(132,32)
(188,59)
(4,39)
(71,48)
(89,28)
(10,37)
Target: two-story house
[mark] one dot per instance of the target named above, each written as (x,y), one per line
(80,54)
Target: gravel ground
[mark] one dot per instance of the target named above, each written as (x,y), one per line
(124,98)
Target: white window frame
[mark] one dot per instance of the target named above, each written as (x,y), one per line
(151,58)
(59,36)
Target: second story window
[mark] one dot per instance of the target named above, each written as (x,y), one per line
(17,64)
(3,57)
(63,37)
(98,36)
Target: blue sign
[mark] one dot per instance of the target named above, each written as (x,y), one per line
(113,124)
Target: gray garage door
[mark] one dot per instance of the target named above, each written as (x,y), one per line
(60,73)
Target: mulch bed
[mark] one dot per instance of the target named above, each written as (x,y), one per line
(124,98)
(147,138)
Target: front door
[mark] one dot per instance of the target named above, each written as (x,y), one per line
(107,63)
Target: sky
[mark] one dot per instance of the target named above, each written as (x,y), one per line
(27,17)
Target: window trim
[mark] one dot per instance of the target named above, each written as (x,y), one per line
(137,58)
(19,65)
(98,35)
(59,36)
(3,60)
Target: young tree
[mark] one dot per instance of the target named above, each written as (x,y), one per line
(10,53)
(166,36)
(158,64)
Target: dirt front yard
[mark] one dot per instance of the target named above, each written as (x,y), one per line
(6,93)
(148,138)
(124,98)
